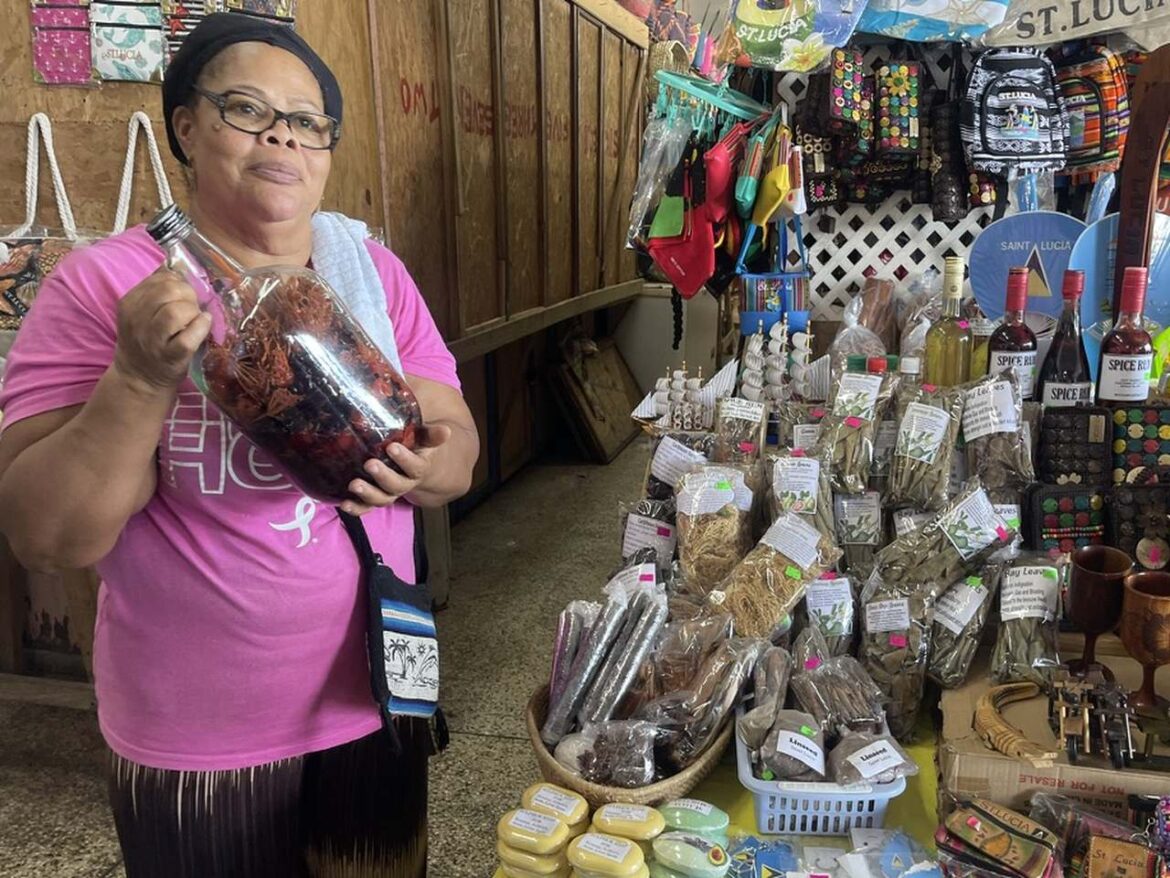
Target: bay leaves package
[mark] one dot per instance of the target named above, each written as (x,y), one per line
(1029,607)
(960,617)
(998,453)
(849,431)
(928,419)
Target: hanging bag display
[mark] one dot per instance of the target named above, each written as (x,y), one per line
(140,122)
(127,41)
(687,259)
(28,253)
(1095,90)
(1013,120)
(61,44)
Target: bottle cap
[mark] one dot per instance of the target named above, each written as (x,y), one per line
(954,272)
(892,361)
(910,365)
(1133,290)
(855,363)
(876,365)
(1074,285)
(1017,289)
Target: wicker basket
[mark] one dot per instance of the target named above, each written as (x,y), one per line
(656,794)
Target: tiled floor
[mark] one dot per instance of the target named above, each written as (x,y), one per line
(548,537)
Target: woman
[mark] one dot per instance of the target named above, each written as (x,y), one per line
(229,661)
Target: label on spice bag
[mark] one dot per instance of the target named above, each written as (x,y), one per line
(857,396)
(805,436)
(1030,592)
(907,521)
(673,460)
(616,850)
(538,824)
(830,606)
(802,749)
(874,759)
(922,431)
(859,518)
(990,408)
(795,540)
(649,533)
(741,409)
(795,483)
(959,604)
(972,526)
(882,616)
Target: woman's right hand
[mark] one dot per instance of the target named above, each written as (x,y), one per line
(160,326)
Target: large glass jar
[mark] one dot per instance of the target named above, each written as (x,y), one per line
(288,364)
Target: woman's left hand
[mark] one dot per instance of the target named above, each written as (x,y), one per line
(382,485)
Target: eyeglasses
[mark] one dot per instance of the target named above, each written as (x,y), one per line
(254,116)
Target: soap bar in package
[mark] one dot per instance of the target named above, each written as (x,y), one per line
(532,832)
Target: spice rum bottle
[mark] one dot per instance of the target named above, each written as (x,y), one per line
(1127,354)
(948,343)
(1013,344)
(1064,378)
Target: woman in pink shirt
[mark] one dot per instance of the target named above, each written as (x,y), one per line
(230,649)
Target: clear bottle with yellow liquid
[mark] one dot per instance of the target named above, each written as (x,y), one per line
(948,343)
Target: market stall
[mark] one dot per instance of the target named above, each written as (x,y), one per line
(864,618)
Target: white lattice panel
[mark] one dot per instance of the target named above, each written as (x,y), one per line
(898,239)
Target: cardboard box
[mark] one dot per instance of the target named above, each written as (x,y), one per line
(967,768)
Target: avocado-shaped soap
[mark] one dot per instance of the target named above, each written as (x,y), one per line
(532,864)
(635,822)
(595,855)
(690,855)
(644,872)
(532,833)
(545,798)
(691,815)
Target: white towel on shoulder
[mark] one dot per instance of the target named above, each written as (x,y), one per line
(341,257)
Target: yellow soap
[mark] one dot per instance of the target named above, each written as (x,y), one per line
(555,864)
(644,872)
(558,802)
(533,833)
(636,822)
(606,856)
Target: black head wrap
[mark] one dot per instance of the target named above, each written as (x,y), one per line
(214,34)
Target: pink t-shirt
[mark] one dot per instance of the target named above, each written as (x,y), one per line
(230,628)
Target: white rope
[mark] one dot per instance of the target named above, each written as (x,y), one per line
(140,121)
(39,127)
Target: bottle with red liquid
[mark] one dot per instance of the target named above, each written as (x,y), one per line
(290,366)
(1013,344)
(1065,379)
(1127,353)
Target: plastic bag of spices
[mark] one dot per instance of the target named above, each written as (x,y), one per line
(801,483)
(773,671)
(861,757)
(1029,609)
(929,419)
(799,424)
(794,749)
(740,428)
(767,584)
(714,524)
(998,453)
(841,696)
(849,432)
(959,619)
(673,455)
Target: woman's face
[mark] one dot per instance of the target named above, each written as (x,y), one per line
(267,177)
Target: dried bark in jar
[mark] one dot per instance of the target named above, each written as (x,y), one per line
(929,419)
(766,585)
(714,525)
(849,431)
(997,453)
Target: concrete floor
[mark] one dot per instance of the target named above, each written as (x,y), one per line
(546,538)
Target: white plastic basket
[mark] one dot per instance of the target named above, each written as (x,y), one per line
(814,808)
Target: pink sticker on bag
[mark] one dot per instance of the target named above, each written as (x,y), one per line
(1001,532)
(817,413)
(664,532)
(853,422)
(898,641)
(964,324)
(929,388)
(747,447)
(647,577)
(812,664)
